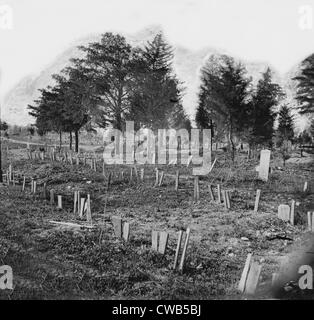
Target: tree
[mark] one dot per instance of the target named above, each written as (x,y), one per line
(265,98)
(155,101)
(305,86)
(48,111)
(311,129)
(304,138)
(4,126)
(109,65)
(285,132)
(224,95)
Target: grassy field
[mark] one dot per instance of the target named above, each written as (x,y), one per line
(55,262)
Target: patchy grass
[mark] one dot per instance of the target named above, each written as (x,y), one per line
(52,262)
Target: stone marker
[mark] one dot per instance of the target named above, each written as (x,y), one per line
(284,212)
(263,170)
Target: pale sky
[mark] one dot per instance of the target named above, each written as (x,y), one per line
(258,30)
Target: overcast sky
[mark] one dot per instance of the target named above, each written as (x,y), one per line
(261,30)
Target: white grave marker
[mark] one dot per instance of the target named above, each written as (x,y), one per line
(263,169)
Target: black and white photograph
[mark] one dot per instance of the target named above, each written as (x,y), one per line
(156,156)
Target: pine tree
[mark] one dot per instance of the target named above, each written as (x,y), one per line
(110,64)
(202,116)
(311,129)
(285,130)
(157,94)
(224,94)
(265,98)
(305,86)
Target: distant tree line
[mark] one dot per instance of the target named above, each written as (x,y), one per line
(232,107)
(114,81)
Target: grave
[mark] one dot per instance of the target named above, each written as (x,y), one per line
(284,212)
(250,276)
(263,169)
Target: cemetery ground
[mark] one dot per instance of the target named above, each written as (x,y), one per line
(52,261)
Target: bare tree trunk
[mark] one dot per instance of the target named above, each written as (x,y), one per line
(60,139)
(70,140)
(231,143)
(76,141)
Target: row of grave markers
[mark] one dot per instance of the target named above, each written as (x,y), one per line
(81,207)
(252,269)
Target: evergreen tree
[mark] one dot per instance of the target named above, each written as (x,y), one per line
(156,97)
(304,137)
(265,98)
(110,64)
(311,129)
(224,94)
(285,130)
(4,126)
(305,87)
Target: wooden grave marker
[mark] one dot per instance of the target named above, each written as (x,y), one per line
(250,276)
(177,180)
(196,189)
(52,196)
(258,195)
(160,241)
(228,199)
(59,202)
(218,193)
(210,189)
(126,231)
(155,240)
(310,220)
(178,249)
(186,243)
(161,178)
